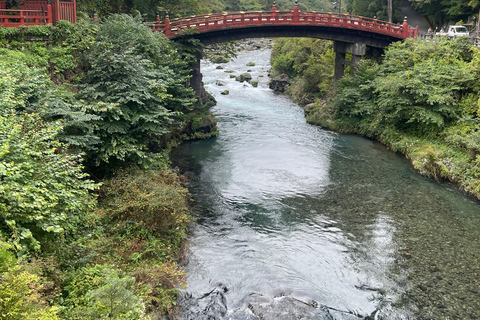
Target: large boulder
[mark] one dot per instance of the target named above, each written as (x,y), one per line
(244,77)
(280,83)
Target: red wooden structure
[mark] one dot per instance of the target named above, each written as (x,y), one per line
(223,21)
(38,12)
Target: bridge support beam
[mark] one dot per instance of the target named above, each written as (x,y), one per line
(341,49)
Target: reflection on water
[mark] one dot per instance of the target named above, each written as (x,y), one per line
(338,226)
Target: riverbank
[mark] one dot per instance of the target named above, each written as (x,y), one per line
(421,101)
(89,207)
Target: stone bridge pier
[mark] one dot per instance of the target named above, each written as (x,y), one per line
(341,49)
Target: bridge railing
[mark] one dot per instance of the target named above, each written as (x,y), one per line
(219,21)
(15,18)
(35,12)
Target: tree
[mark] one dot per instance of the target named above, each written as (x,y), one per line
(140,81)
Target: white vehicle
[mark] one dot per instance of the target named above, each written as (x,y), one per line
(454,32)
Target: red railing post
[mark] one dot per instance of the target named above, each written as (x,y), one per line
(166,23)
(274,12)
(295,14)
(49,13)
(56,14)
(405,27)
(74,11)
(22,19)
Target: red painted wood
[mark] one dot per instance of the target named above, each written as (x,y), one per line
(223,21)
(38,12)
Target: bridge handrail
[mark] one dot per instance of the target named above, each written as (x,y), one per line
(175,27)
(34,16)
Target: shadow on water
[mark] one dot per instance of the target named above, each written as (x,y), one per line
(295,222)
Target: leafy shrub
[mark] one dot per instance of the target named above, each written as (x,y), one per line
(154,200)
(102,292)
(19,291)
(138,70)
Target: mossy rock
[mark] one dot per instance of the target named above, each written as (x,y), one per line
(244,77)
(225,92)
(219,59)
(254,83)
(220,67)
(251,64)
(229,71)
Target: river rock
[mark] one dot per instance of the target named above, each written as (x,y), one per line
(219,83)
(219,59)
(220,67)
(254,83)
(280,83)
(225,92)
(287,308)
(244,77)
(207,124)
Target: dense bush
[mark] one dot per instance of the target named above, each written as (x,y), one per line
(20,297)
(141,73)
(309,62)
(43,190)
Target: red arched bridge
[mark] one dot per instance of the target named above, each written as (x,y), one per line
(226,26)
(351,34)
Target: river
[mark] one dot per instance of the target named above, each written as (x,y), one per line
(297,222)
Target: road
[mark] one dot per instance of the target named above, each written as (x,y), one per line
(414,19)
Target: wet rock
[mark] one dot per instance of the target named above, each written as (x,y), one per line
(287,308)
(244,77)
(232,76)
(229,71)
(219,59)
(210,306)
(219,83)
(251,64)
(225,92)
(207,124)
(220,67)
(280,83)
(254,83)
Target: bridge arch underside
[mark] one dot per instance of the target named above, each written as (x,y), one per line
(370,39)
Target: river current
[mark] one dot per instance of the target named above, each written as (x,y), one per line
(297,222)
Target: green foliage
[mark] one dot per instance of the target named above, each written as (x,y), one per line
(309,62)
(441,12)
(140,72)
(43,190)
(102,292)
(375,8)
(154,199)
(416,89)
(19,291)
